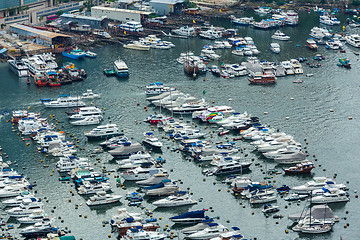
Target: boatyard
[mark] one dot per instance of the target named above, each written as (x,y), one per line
(228,122)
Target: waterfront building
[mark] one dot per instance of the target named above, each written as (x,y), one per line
(120,15)
(166,7)
(80,20)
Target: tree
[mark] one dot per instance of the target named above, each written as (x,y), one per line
(41,18)
(59,13)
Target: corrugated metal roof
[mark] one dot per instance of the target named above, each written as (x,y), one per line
(125,1)
(39,32)
(121,10)
(68,15)
(170,2)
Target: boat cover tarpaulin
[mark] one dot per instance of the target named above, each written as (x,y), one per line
(193,214)
(322,212)
(3,50)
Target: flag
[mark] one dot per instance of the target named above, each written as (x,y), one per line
(194,21)
(125,32)
(220,10)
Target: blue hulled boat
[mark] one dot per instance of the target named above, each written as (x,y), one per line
(74,54)
(190,217)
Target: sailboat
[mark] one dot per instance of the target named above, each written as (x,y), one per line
(311,225)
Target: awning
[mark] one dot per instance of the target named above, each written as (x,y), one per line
(68,22)
(3,50)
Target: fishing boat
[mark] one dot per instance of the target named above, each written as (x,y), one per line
(311,44)
(268,208)
(278,35)
(344,62)
(303,167)
(102,198)
(90,95)
(103,131)
(52,78)
(64,101)
(120,68)
(109,72)
(175,201)
(190,217)
(263,80)
(74,54)
(40,80)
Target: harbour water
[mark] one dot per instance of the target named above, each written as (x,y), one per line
(332,138)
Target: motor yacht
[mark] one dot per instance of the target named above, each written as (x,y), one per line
(90,95)
(317,183)
(88,188)
(154,179)
(213,230)
(88,120)
(66,164)
(157,88)
(140,234)
(280,152)
(187,133)
(292,158)
(39,229)
(330,195)
(289,70)
(225,167)
(140,173)
(151,140)
(102,198)
(190,217)
(353,40)
(13,191)
(15,202)
(19,67)
(103,131)
(37,216)
(27,207)
(275,47)
(175,201)
(296,66)
(185,31)
(126,150)
(64,101)
(278,35)
(262,199)
(268,208)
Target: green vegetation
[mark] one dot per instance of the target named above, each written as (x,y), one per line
(59,13)
(188,4)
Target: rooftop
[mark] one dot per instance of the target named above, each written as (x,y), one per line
(121,10)
(39,32)
(68,15)
(170,2)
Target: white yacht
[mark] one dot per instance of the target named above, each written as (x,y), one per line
(102,198)
(37,216)
(289,70)
(132,27)
(49,60)
(36,65)
(213,230)
(19,67)
(319,33)
(136,45)
(67,164)
(262,199)
(331,195)
(90,95)
(89,188)
(64,101)
(317,183)
(103,131)
(211,34)
(157,88)
(175,201)
(275,47)
(189,108)
(353,40)
(26,208)
(89,120)
(85,112)
(15,202)
(278,35)
(151,140)
(120,68)
(185,31)
(140,173)
(187,133)
(280,152)
(296,66)
(139,234)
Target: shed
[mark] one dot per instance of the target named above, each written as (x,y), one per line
(166,7)
(40,37)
